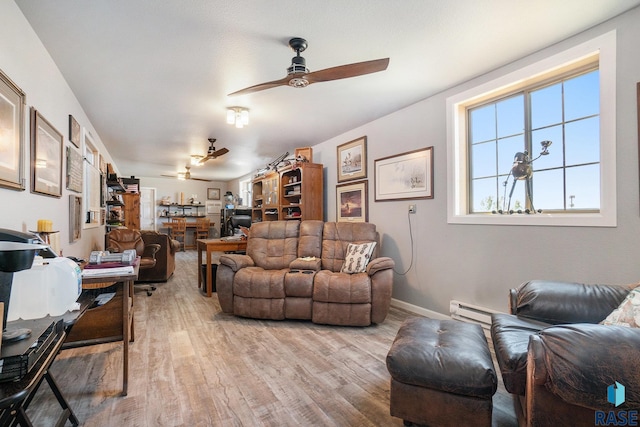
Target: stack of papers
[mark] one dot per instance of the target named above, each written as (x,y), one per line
(114,271)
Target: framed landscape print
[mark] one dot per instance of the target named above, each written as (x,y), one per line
(352,160)
(12,109)
(46,157)
(405,176)
(213,193)
(352,203)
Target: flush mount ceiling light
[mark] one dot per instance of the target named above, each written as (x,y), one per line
(238,116)
(195,160)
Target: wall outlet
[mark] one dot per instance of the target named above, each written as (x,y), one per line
(412,209)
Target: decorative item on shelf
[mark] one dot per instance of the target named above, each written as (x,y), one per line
(45,225)
(238,116)
(228,200)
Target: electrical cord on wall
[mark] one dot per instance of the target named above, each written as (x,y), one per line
(411,237)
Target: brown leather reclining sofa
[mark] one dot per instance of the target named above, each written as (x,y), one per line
(165,257)
(558,361)
(292,270)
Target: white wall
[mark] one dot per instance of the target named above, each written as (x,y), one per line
(24,59)
(478,264)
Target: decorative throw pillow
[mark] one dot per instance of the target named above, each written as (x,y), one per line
(627,313)
(357,257)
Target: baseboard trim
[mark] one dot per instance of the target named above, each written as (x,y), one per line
(418,310)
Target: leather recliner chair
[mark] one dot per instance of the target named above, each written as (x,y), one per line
(555,357)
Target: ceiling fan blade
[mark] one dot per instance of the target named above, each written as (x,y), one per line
(219,153)
(200,179)
(262,86)
(169,176)
(213,155)
(346,71)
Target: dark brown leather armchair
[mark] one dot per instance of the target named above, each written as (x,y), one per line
(555,357)
(165,257)
(121,239)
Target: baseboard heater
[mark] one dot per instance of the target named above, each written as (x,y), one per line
(471,313)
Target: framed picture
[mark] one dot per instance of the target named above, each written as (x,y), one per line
(74,131)
(75,218)
(352,160)
(213,193)
(405,176)
(74,170)
(46,157)
(352,202)
(12,108)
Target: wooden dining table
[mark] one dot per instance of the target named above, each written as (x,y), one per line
(215,245)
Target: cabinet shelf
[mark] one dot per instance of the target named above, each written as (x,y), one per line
(278,195)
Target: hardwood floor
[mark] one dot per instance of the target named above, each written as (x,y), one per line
(192,365)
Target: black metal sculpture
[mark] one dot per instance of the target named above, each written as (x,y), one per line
(521,170)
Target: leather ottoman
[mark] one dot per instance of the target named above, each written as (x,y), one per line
(441,374)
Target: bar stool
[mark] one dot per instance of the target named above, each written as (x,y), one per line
(179,229)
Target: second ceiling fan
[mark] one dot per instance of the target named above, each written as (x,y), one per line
(299,76)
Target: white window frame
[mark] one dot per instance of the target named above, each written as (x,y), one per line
(457,171)
(91,172)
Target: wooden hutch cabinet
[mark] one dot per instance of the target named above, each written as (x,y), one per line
(292,193)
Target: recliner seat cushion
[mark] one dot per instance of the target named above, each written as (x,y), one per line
(510,335)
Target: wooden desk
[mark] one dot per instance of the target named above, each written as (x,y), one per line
(215,245)
(113,321)
(190,225)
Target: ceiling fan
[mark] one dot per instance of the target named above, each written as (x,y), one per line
(212,153)
(187,175)
(299,76)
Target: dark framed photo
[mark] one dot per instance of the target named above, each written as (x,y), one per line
(74,131)
(12,108)
(405,176)
(352,160)
(46,157)
(213,193)
(352,202)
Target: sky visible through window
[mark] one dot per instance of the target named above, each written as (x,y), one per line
(568,178)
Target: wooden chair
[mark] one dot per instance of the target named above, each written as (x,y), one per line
(202,228)
(179,229)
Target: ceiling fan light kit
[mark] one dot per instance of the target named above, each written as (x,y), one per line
(238,116)
(298,75)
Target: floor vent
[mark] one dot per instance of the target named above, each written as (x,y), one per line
(471,313)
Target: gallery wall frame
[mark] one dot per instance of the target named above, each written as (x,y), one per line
(12,146)
(46,157)
(352,160)
(74,131)
(352,202)
(213,193)
(404,176)
(74,170)
(75,218)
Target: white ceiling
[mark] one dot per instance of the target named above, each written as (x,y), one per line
(153,75)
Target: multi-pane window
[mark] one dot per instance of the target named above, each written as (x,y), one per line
(507,154)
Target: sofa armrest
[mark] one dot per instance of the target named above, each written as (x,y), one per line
(577,363)
(379,264)
(236,261)
(564,302)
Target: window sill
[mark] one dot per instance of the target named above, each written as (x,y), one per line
(538,219)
